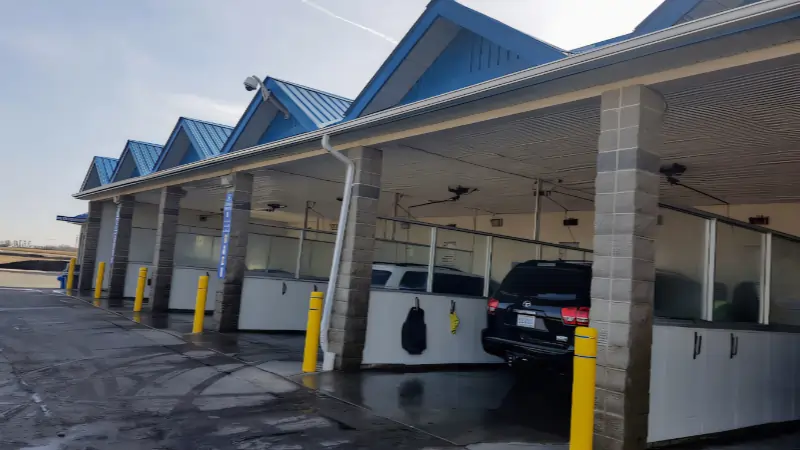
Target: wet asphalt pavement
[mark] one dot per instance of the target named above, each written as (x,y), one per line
(77,377)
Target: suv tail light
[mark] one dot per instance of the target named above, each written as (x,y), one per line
(492,305)
(575,316)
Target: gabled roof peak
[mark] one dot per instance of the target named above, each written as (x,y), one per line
(308,108)
(509,50)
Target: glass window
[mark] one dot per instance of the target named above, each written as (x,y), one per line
(411,245)
(784,301)
(192,250)
(737,274)
(454,284)
(680,249)
(283,254)
(317,256)
(143,244)
(414,281)
(257,252)
(507,253)
(460,250)
(380,277)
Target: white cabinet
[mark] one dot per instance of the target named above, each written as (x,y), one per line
(796,377)
(783,387)
(753,378)
(678,361)
(275,304)
(718,382)
(708,381)
(132,280)
(183,292)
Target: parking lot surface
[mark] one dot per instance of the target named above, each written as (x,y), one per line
(77,377)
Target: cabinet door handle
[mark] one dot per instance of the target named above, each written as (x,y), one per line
(694,348)
(733,346)
(283,289)
(699,344)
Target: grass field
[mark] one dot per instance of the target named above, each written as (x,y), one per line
(33,259)
(37,251)
(13,258)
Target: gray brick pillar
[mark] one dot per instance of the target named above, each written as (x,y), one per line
(236,218)
(348,326)
(88,259)
(120,247)
(164,254)
(81,237)
(626,212)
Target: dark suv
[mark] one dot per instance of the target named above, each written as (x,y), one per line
(534,312)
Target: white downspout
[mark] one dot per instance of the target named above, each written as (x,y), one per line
(328,357)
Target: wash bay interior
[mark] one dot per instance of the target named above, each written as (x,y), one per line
(730,125)
(725,297)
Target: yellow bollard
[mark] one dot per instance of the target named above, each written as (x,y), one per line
(312,332)
(71,273)
(200,304)
(139,299)
(583,386)
(137,317)
(98,284)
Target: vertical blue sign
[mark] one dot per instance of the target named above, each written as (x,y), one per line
(114,237)
(226,234)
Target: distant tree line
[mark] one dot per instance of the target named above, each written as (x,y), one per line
(28,244)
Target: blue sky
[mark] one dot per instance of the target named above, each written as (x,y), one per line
(81,77)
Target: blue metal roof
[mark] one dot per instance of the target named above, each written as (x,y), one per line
(530,50)
(321,107)
(145,155)
(105,168)
(310,108)
(207,138)
(79,219)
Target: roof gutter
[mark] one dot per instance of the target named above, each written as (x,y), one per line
(669,38)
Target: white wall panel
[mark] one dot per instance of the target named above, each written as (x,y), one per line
(388,311)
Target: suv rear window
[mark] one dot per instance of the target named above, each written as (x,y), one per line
(380,277)
(444,283)
(414,281)
(549,284)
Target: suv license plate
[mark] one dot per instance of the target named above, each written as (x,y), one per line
(526,321)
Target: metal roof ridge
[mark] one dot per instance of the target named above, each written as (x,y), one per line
(204,121)
(319,91)
(134,141)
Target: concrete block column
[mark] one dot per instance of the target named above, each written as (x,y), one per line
(164,255)
(120,247)
(91,236)
(81,239)
(234,251)
(348,326)
(626,214)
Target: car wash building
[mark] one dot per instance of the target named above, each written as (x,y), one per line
(667,157)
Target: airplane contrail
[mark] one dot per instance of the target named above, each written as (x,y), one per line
(358,25)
